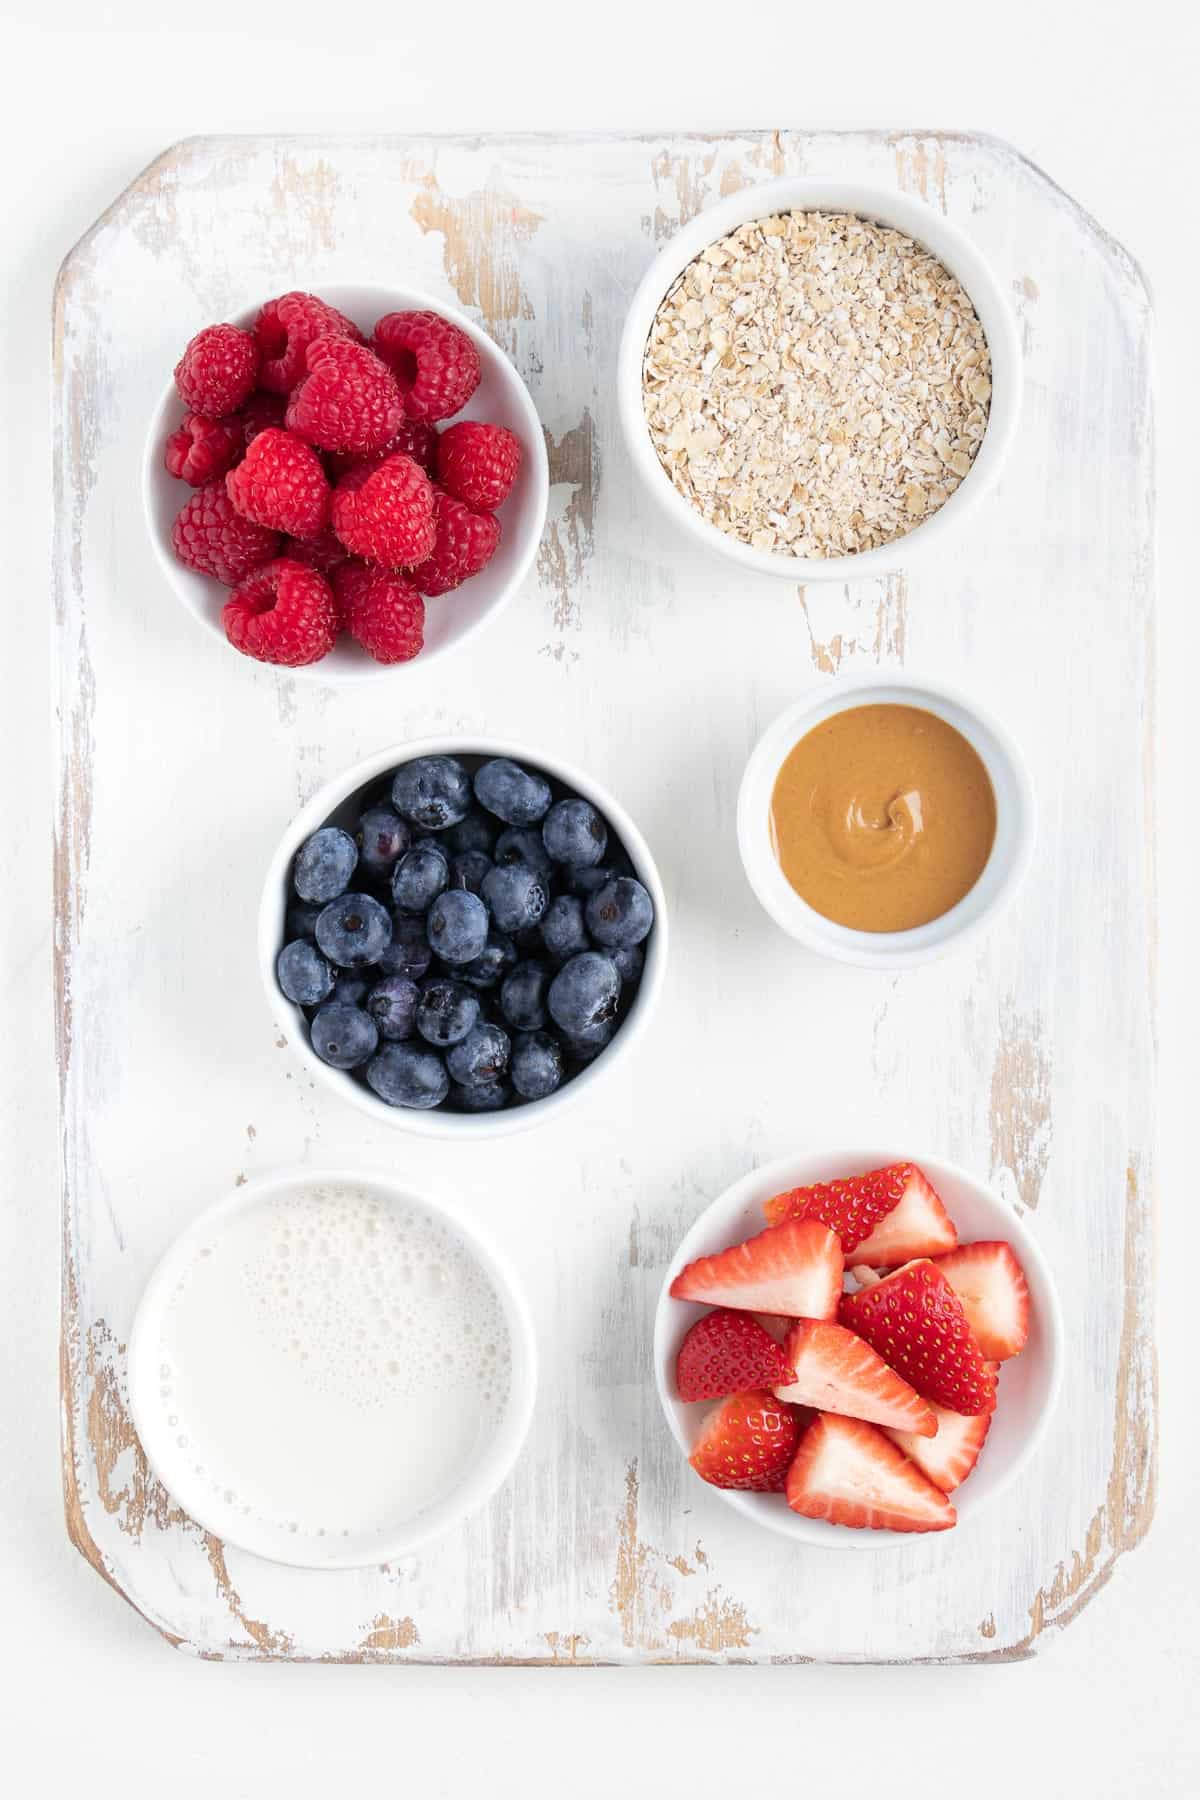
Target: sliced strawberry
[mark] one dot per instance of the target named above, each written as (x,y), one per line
(837,1373)
(851,1474)
(949,1456)
(887,1215)
(747,1442)
(794,1269)
(991,1284)
(916,1322)
(918,1225)
(726,1353)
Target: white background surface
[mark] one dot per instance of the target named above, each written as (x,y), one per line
(1103,94)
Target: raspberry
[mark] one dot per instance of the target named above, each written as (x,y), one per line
(384,612)
(202,448)
(348,400)
(386,514)
(218,371)
(324,552)
(262,412)
(478,463)
(465,542)
(436,364)
(280,483)
(415,438)
(283,613)
(286,327)
(211,536)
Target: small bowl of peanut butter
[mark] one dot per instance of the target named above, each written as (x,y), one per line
(884,820)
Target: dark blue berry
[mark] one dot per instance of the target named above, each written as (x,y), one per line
(583,883)
(574,833)
(584,993)
(468,868)
(420,876)
(484,1096)
(515,795)
(404,1075)
(537,1065)
(392,1003)
(324,864)
(457,926)
(621,913)
(630,959)
(408,953)
(303,973)
(354,930)
(481,1056)
(517,896)
(523,996)
(587,1045)
(383,837)
(350,989)
(476,832)
(523,843)
(433,792)
(302,920)
(343,1036)
(446,1011)
(497,955)
(562,928)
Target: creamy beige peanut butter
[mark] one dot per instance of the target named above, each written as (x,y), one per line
(883,817)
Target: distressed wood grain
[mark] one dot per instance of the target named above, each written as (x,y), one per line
(1029,1058)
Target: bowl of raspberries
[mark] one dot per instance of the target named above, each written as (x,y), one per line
(458,936)
(337,484)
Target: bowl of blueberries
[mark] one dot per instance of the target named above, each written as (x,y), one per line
(458,936)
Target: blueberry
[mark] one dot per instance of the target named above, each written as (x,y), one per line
(630,959)
(404,1075)
(433,792)
(420,876)
(514,794)
(457,926)
(476,832)
(303,973)
(583,883)
(584,993)
(517,896)
(621,913)
(343,1036)
(392,1003)
(537,1065)
(408,953)
(446,1011)
(521,843)
(574,833)
(587,1045)
(302,920)
(324,864)
(383,837)
(354,930)
(562,928)
(468,868)
(484,1096)
(481,1056)
(523,996)
(350,990)
(497,956)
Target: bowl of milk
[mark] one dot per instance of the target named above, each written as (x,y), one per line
(328,1370)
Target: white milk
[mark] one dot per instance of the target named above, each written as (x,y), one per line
(333,1362)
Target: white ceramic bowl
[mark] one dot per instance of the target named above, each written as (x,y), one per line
(339,801)
(488,1468)
(501,398)
(1006,867)
(890,208)
(1029,1383)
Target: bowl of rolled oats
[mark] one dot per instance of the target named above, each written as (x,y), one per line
(817,378)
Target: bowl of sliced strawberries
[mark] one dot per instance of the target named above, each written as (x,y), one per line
(851,1347)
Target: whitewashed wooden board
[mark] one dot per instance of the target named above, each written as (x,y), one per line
(1029,1060)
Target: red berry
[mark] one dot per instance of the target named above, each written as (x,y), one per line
(435,362)
(280,483)
(218,371)
(324,552)
(202,448)
(415,438)
(747,1442)
(283,613)
(212,537)
(348,400)
(478,463)
(383,611)
(726,1352)
(386,514)
(286,327)
(262,412)
(464,543)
